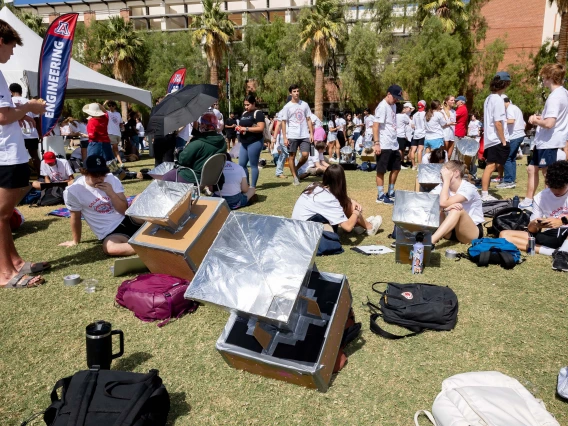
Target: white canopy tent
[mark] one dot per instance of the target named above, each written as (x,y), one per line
(83,82)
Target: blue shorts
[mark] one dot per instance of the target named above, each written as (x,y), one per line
(543,157)
(104,149)
(433,143)
(237,201)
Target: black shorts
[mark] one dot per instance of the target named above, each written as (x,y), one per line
(402,143)
(31,144)
(231,135)
(497,154)
(84,143)
(127,228)
(552,238)
(543,157)
(303,144)
(388,160)
(15,176)
(454,237)
(417,142)
(341,139)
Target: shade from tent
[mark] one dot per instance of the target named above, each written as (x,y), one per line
(83,81)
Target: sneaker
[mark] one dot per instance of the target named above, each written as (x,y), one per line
(525,204)
(560,261)
(393,244)
(506,185)
(488,197)
(376,221)
(496,180)
(403,167)
(333,160)
(414,167)
(296,181)
(392,195)
(384,199)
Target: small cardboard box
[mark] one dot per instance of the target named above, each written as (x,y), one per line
(180,254)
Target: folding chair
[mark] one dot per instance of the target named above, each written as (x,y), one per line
(210,173)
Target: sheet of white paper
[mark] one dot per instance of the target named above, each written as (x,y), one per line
(375,249)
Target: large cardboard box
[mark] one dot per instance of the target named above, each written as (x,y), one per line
(181,253)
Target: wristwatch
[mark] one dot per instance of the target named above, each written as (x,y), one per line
(564,220)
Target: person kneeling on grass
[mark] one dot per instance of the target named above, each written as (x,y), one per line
(549,220)
(460,204)
(99,197)
(236,190)
(316,164)
(327,202)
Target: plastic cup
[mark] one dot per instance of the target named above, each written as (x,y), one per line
(91,285)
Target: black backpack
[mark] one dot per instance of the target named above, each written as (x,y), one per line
(107,397)
(492,207)
(509,218)
(51,197)
(417,307)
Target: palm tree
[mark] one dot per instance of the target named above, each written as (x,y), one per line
(121,48)
(213,30)
(33,22)
(448,11)
(563,36)
(322,26)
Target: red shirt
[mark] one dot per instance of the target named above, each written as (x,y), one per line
(461,121)
(97,129)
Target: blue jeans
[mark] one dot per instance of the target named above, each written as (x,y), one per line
(250,152)
(103,149)
(510,167)
(281,160)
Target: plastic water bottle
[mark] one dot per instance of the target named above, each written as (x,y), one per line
(418,254)
(516,201)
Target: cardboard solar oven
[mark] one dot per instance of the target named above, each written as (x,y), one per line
(415,212)
(429,176)
(466,150)
(287,318)
(178,230)
(159,171)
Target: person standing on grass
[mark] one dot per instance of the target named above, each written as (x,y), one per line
(31,136)
(332,142)
(462,115)
(368,120)
(230,130)
(417,144)
(297,130)
(496,136)
(279,147)
(385,143)
(114,133)
(474,127)
(97,129)
(551,128)
(357,126)
(14,171)
(450,116)
(516,129)
(434,123)
(251,137)
(403,127)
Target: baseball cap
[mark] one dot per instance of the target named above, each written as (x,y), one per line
(96,164)
(503,75)
(461,98)
(421,105)
(49,157)
(408,105)
(396,92)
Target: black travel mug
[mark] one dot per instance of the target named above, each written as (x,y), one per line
(99,344)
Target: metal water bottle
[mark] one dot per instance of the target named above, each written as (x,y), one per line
(516,201)
(418,254)
(531,245)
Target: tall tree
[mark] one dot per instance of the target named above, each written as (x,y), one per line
(322,27)
(449,12)
(563,37)
(34,22)
(213,30)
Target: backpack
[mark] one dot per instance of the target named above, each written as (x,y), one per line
(417,307)
(155,297)
(494,251)
(109,397)
(510,218)
(50,197)
(31,197)
(486,398)
(492,207)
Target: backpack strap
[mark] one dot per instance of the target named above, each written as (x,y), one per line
(484,257)
(375,328)
(151,382)
(507,260)
(83,398)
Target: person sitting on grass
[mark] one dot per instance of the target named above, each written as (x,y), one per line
(328,203)
(549,219)
(99,197)
(436,156)
(54,169)
(460,204)
(236,191)
(316,164)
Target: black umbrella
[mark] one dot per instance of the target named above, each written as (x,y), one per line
(182,107)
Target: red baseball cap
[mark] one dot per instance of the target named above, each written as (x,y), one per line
(49,157)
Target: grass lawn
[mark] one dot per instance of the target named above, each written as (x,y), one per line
(511,321)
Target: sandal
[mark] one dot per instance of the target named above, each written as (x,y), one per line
(24,281)
(34,268)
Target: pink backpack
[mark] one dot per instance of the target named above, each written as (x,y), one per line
(155,297)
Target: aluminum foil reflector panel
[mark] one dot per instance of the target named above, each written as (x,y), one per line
(257,265)
(430,173)
(416,211)
(161,170)
(467,147)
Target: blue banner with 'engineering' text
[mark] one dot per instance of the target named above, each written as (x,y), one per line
(54,65)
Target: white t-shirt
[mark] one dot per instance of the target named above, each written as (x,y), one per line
(517,129)
(359,143)
(340,123)
(435,127)
(402,123)
(473,128)
(220,119)
(185,133)
(316,121)
(114,121)
(473,205)
(385,115)
(494,110)
(234,175)
(546,204)
(322,202)
(312,160)
(140,129)
(369,120)
(78,127)
(12,147)
(59,172)
(31,131)
(450,117)
(426,158)
(419,125)
(331,135)
(95,205)
(358,124)
(556,106)
(295,114)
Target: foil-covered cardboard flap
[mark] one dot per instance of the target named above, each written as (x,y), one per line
(161,201)
(430,173)
(256,265)
(467,147)
(159,171)
(416,211)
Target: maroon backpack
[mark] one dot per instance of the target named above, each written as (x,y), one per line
(155,297)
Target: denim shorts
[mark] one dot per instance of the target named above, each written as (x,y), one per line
(236,201)
(433,143)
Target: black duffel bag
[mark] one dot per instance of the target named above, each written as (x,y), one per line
(509,219)
(107,397)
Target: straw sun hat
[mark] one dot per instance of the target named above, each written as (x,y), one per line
(93,110)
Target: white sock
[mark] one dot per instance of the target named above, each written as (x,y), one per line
(547,251)
(484,193)
(564,246)
(528,199)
